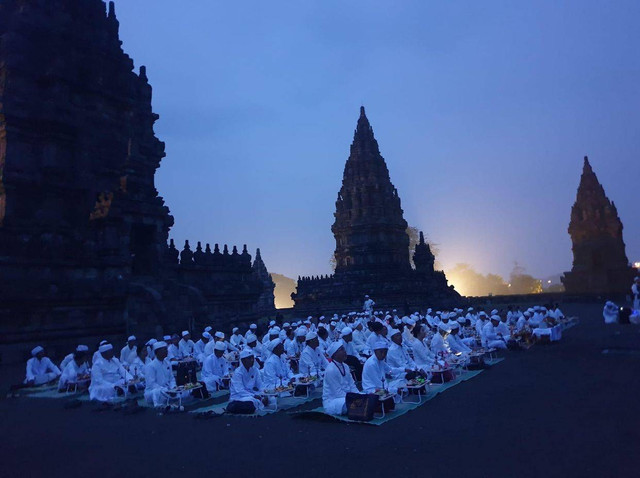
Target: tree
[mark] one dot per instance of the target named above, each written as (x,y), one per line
(522,283)
(285,286)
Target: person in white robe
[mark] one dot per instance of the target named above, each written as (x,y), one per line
(40,369)
(129,352)
(236,339)
(338,381)
(522,322)
(635,293)
(96,354)
(173,350)
(439,345)
(323,339)
(455,342)
(490,336)
(611,313)
(160,382)
(149,346)
(215,367)
(503,330)
(422,356)
(312,360)
(137,367)
(68,358)
(397,357)
(276,371)
(108,377)
(76,372)
(200,346)
(368,305)
(256,347)
(246,385)
(186,346)
(359,339)
(294,347)
(253,330)
(378,332)
(378,375)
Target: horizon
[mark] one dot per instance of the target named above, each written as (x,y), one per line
(482,121)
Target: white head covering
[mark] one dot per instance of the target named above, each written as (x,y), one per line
(131,337)
(301,332)
(185,333)
(37,350)
(394,332)
(495,317)
(333,348)
(220,346)
(208,328)
(102,342)
(455,325)
(444,327)
(311,336)
(219,335)
(380,344)
(150,342)
(207,335)
(166,337)
(346,331)
(82,348)
(273,344)
(251,338)
(246,352)
(253,326)
(286,324)
(272,323)
(159,345)
(234,330)
(104,348)
(494,312)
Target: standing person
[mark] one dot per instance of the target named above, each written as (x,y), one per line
(40,369)
(368,306)
(635,291)
(337,381)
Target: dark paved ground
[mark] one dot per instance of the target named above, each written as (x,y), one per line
(559,410)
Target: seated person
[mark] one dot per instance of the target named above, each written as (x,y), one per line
(76,372)
(215,367)
(294,347)
(40,369)
(186,346)
(276,371)
(439,345)
(138,366)
(455,342)
(378,375)
(246,387)
(108,376)
(69,357)
(129,351)
(337,381)
(312,361)
(490,336)
(159,378)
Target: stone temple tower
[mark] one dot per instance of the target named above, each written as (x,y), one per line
(372,244)
(600,264)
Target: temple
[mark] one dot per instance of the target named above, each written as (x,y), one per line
(600,264)
(83,231)
(372,244)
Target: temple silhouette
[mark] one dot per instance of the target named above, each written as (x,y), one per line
(372,244)
(83,231)
(600,264)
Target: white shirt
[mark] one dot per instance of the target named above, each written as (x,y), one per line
(439,344)
(214,367)
(338,381)
(187,348)
(37,367)
(399,358)
(158,375)
(245,384)
(71,372)
(312,361)
(374,374)
(276,372)
(128,355)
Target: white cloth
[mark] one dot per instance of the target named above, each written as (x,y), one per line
(338,381)
(137,367)
(187,348)
(41,371)
(439,345)
(159,380)
(276,372)
(213,369)
(490,337)
(422,356)
(71,372)
(398,357)
(105,375)
(237,340)
(374,376)
(128,355)
(245,384)
(312,361)
(65,361)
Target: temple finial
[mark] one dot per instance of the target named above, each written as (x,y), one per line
(362,113)
(112,10)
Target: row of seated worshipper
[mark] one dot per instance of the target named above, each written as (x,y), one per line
(416,344)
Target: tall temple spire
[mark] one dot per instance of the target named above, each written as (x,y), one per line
(600,263)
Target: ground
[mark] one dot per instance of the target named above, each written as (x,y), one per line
(566,410)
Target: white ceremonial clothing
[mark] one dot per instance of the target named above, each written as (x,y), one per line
(457,345)
(490,337)
(439,344)
(128,355)
(237,340)
(173,352)
(71,372)
(422,356)
(338,381)
(312,361)
(360,341)
(503,329)
(213,370)
(397,357)
(65,361)
(294,348)
(105,375)
(245,384)
(137,367)
(159,380)
(374,376)
(187,348)
(41,371)
(276,372)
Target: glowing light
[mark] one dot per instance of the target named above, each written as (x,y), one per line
(548,282)
(636,265)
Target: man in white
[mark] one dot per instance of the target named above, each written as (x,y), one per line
(200,346)
(67,360)
(173,351)
(215,367)
(186,346)
(397,357)
(337,381)
(377,374)
(368,305)
(276,371)
(40,369)
(490,336)
(503,330)
(635,293)
(129,352)
(359,339)
(294,347)
(159,378)
(76,372)
(438,343)
(236,339)
(455,342)
(255,346)
(312,360)
(108,376)
(246,386)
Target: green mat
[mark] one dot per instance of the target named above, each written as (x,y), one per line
(285,403)
(401,408)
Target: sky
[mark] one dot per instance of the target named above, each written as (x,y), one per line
(483,112)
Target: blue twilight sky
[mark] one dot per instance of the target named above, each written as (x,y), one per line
(483,111)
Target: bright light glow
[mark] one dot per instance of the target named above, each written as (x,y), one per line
(548,282)
(636,265)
